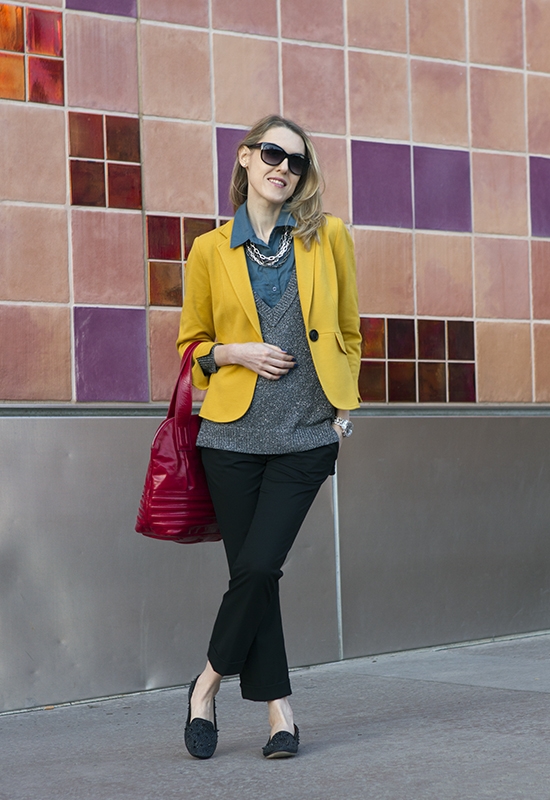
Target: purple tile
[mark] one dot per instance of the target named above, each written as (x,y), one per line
(442,189)
(121,8)
(381,184)
(111,355)
(540,195)
(227,140)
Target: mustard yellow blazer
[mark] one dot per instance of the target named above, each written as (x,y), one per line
(219,306)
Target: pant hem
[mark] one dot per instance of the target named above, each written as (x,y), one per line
(266,693)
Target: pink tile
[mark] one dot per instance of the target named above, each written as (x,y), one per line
(310,76)
(34,254)
(538,98)
(502,278)
(245,16)
(378,25)
(165,361)
(36,367)
(258,60)
(504,362)
(537,35)
(443,275)
(332,157)
(500,193)
(439,103)
(496,32)
(108,257)
(540,266)
(438,29)
(173,182)
(542,363)
(101,63)
(167,54)
(497,108)
(379,95)
(384,271)
(312,20)
(191,12)
(33,167)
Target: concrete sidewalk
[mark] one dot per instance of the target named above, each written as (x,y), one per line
(468,722)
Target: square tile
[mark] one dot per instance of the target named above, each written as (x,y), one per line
(442,189)
(431,339)
(401,381)
(192,228)
(542,363)
(165,283)
(462,383)
(12,76)
(312,20)
(122,8)
(310,76)
(11,28)
(537,35)
(500,193)
(432,382)
(378,26)
(165,360)
(333,157)
(86,135)
(539,169)
(192,12)
(87,183)
(497,109)
(384,272)
(124,182)
(246,16)
(44,32)
(496,32)
(122,139)
(538,97)
(46,84)
(443,275)
(401,338)
(381,184)
(439,103)
(166,54)
(504,362)
(227,143)
(37,367)
(502,278)
(164,238)
(111,355)
(108,258)
(378,95)
(373,332)
(460,339)
(372,382)
(540,270)
(438,28)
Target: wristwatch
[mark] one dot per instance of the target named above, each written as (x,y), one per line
(345,424)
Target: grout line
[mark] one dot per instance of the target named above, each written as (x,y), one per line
(280,59)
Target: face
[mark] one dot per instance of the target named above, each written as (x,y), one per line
(271,185)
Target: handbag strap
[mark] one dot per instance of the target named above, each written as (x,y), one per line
(181,403)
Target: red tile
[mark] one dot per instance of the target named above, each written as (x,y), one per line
(460,336)
(401,381)
(86,135)
(373,331)
(540,265)
(122,138)
(164,238)
(44,32)
(11,28)
(432,382)
(124,185)
(87,183)
(165,283)
(401,339)
(46,81)
(372,382)
(431,339)
(193,227)
(12,76)
(462,383)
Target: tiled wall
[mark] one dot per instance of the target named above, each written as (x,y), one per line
(118,125)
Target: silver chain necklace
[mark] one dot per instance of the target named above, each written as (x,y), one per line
(276,260)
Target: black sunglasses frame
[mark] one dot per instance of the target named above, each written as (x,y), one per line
(298,163)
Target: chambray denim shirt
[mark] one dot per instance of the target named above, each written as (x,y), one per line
(267,282)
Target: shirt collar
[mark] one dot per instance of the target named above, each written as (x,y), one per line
(243,230)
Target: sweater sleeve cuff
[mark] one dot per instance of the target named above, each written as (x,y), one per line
(208,363)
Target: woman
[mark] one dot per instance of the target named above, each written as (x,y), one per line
(272,298)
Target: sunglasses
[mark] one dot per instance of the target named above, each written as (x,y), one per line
(274,155)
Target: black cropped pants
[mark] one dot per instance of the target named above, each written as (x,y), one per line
(261,502)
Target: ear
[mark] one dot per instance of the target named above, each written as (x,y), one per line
(243,156)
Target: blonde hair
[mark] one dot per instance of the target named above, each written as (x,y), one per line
(305,204)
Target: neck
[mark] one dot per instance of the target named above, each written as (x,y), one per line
(263,218)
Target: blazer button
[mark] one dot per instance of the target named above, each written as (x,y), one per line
(313,335)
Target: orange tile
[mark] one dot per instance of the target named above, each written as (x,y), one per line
(438,28)
(500,193)
(332,155)
(443,275)
(378,26)
(312,20)
(496,32)
(108,257)
(34,254)
(101,63)
(258,60)
(439,103)
(166,55)
(312,75)
(12,76)
(246,16)
(38,366)
(172,181)
(165,283)
(542,363)
(165,361)
(497,103)
(540,270)
(537,35)
(384,271)
(538,98)
(502,278)
(504,362)
(192,12)
(11,28)
(379,95)
(33,164)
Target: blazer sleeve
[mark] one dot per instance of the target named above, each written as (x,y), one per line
(348,304)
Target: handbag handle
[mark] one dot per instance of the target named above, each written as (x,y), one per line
(181,403)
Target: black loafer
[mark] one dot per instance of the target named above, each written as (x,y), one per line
(201,736)
(282,744)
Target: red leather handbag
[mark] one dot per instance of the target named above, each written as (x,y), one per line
(175,504)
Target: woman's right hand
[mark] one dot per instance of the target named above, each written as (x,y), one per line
(266,360)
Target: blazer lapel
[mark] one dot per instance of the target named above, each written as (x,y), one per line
(235,264)
(305,268)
